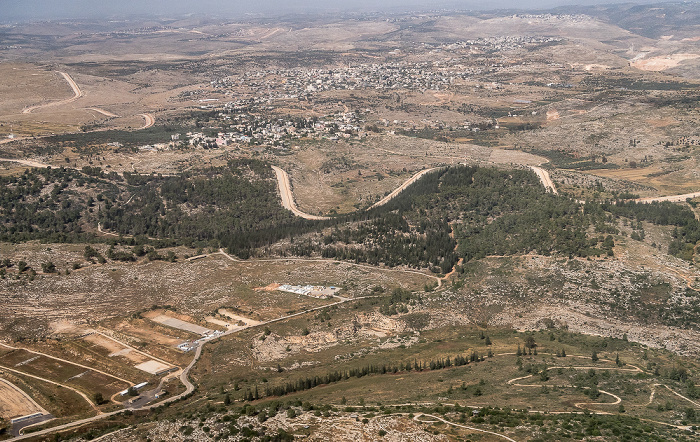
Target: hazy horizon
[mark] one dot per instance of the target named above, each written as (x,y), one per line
(35,10)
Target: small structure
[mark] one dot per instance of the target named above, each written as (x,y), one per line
(317,291)
(136,387)
(185,346)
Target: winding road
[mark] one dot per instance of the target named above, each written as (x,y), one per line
(184,376)
(150,120)
(438,418)
(285,188)
(77,93)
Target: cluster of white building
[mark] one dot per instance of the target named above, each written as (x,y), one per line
(191,345)
(315,291)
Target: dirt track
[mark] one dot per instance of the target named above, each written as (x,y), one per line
(401,188)
(284,186)
(26,162)
(545,179)
(77,93)
(671,198)
(150,120)
(287,197)
(102,111)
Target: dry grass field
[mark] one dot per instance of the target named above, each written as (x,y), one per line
(15,402)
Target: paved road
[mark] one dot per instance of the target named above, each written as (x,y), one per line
(17,427)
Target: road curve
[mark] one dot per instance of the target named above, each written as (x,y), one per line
(438,418)
(285,188)
(288,199)
(77,93)
(150,120)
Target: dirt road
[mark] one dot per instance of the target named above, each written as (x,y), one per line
(671,198)
(80,393)
(402,187)
(288,199)
(417,418)
(184,378)
(285,188)
(68,362)
(102,111)
(26,162)
(150,120)
(77,93)
(545,179)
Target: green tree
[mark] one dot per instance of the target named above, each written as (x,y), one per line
(530,342)
(97,398)
(594,356)
(48,267)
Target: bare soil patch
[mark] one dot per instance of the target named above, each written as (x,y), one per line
(661,63)
(174,320)
(15,402)
(115,349)
(239,318)
(152,367)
